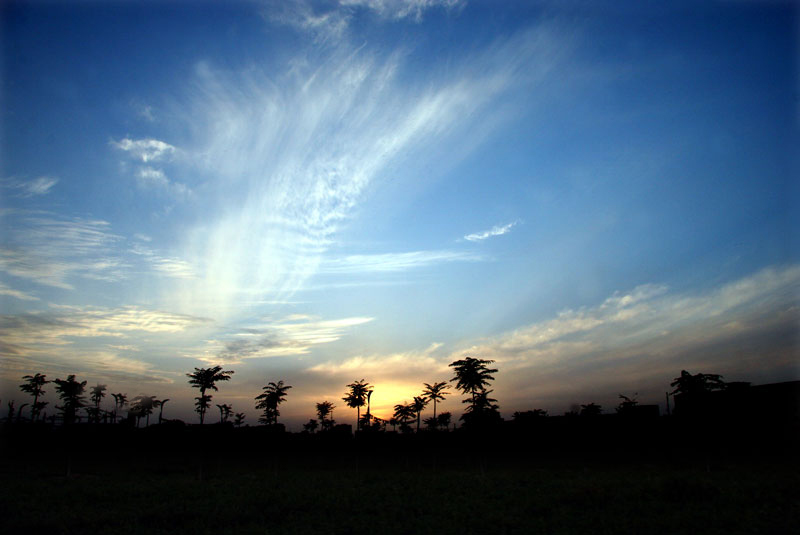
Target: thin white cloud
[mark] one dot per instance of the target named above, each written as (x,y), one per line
(394,261)
(294,335)
(153,178)
(60,325)
(145,150)
(5,290)
(50,250)
(30,188)
(170,266)
(497,230)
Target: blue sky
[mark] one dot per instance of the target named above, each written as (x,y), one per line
(596,196)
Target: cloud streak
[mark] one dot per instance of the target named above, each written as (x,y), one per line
(497,230)
(294,335)
(51,250)
(30,188)
(389,262)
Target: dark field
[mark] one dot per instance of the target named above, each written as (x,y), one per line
(141,491)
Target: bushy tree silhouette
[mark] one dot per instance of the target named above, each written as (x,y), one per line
(142,406)
(311,426)
(592,409)
(357,397)
(472,376)
(325,414)
(403,414)
(120,400)
(71,393)
(443,420)
(238,419)
(34,385)
(274,394)
(225,411)
(698,384)
(206,379)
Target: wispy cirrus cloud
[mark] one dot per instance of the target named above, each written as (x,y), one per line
(330,22)
(253,138)
(29,188)
(293,335)
(63,324)
(497,230)
(387,262)
(11,292)
(50,250)
(149,152)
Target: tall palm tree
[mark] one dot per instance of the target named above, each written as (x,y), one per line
(207,379)
(419,404)
(325,414)
(274,394)
(71,393)
(434,392)
(97,393)
(34,385)
(357,397)
(161,403)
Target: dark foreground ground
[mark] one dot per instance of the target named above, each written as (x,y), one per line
(451,487)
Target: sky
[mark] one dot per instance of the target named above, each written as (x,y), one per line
(596,195)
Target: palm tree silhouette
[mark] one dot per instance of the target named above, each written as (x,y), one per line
(71,393)
(274,394)
(120,400)
(325,414)
(97,393)
(206,379)
(418,405)
(34,385)
(357,397)
(160,405)
(238,419)
(434,392)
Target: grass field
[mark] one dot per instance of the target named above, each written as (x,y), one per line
(351,495)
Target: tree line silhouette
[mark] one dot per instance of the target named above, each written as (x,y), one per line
(472,378)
